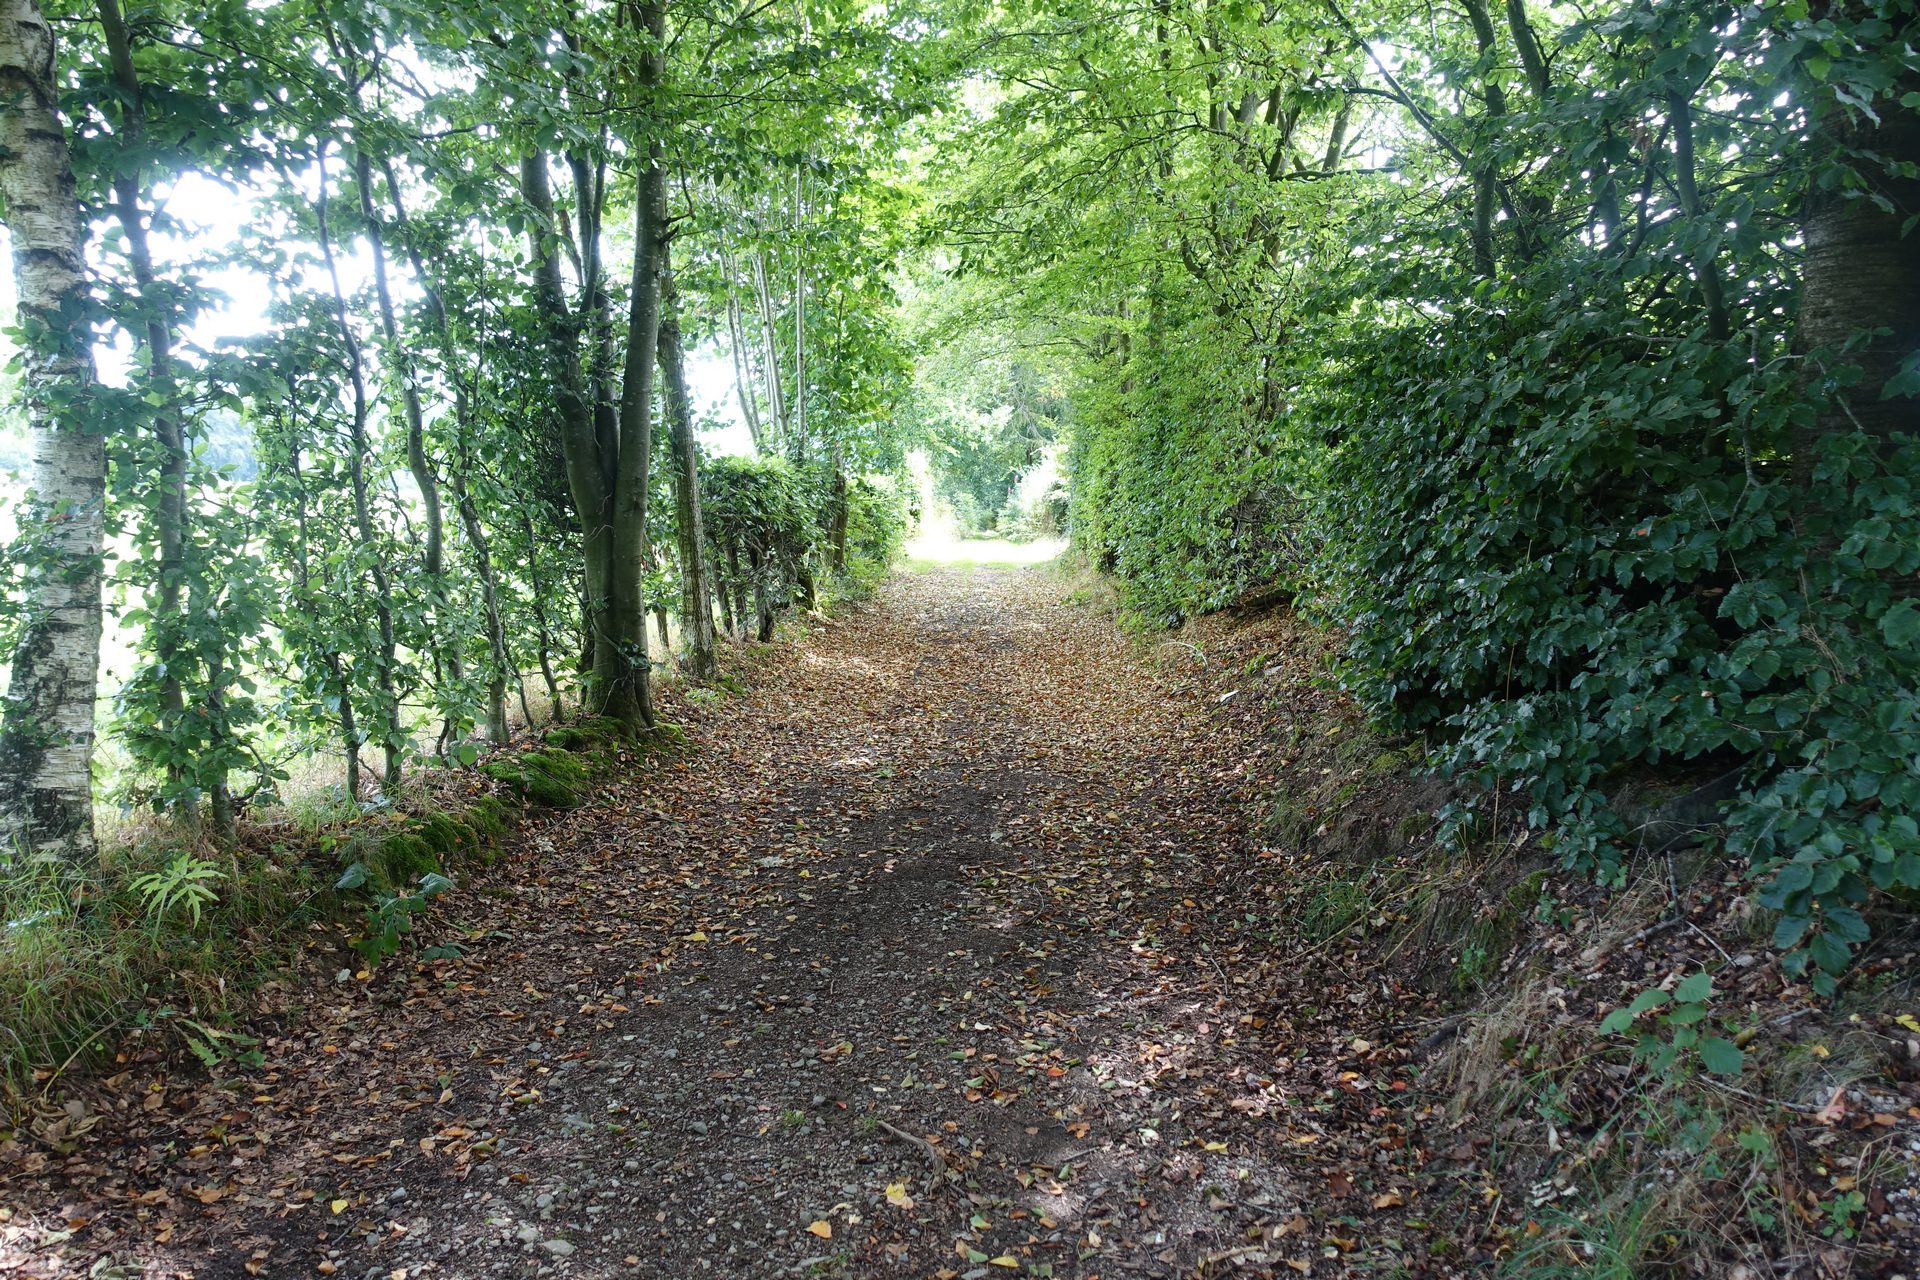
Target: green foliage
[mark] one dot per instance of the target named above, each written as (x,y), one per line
(879,519)
(1668,1029)
(183,887)
(389,917)
(1496,359)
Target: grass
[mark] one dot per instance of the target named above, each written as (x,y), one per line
(172,933)
(84,966)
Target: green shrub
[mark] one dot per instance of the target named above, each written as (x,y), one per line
(1561,554)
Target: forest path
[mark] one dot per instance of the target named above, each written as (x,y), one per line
(905,970)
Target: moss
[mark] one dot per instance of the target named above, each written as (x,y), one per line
(551,777)
(1397,759)
(1289,817)
(595,733)
(404,857)
(443,834)
(487,816)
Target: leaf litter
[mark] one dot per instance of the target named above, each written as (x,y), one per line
(944,952)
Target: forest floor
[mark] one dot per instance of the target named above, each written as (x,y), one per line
(945,950)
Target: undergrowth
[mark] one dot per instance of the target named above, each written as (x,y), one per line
(166,942)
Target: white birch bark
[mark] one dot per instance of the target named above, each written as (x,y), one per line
(46,720)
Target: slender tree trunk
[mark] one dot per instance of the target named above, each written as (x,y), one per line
(1485,179)
(721,605)
(310,605)
(1707,272)
(1528,44)
(498,663)
(220,806)
(798,444)
(360,448)
(837,531)
(537,591)
(401,369)
(770,351)
(739,600)
(526,710)
(170,507)
(695,618)
(758,567)
(46,720)
(627,696)
(587,481)
(736,341)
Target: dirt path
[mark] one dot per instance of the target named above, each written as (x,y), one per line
(906,970)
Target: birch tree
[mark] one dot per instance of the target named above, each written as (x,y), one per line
(47,719)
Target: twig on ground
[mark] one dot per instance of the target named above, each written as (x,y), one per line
(934,1158)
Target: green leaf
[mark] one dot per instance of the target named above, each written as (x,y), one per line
(1694,989)
(1787,933)
(1846,924)
(1830,953)
(1721,1056)
(1900,625)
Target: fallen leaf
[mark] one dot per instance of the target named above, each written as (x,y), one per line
(822,1228)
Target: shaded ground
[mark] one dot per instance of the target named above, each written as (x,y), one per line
(903,972)
(978,939)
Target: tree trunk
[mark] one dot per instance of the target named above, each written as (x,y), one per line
(359,449)
(838,530)
(1485,179)
(170,506)
(1707,272)
(588,484)
(1860,272)
(498,664)
(46,721)
(739,598)
(537,591)
(737,342)
(798,444)
(695,617)
(1524,39)
(626,694)
(770,351)
(401,368)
